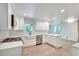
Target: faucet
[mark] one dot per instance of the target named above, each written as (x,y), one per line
(30,32)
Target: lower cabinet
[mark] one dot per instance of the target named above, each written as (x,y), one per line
(16,51)
(29,41)
(57,42)
(53,40)
(75,49)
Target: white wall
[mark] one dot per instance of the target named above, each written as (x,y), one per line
(9,16)
(40,25)
(4,33)
(16,32)
(19,23)
(70,30)
(3,15)
(30,21)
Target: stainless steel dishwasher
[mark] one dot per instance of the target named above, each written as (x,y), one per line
(38,39)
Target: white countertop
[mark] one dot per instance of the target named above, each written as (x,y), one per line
(8,45)
(76,45)
(13,36)
(53,35)
(21,36)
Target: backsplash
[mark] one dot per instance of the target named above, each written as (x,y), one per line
(16,33)
(20,32)
(40,32)
(4,33)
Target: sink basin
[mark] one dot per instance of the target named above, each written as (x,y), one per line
(11,39)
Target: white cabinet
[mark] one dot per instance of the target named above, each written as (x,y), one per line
(42,25)
(53,40)
(16,51)
(3,15)
(29,41)
(4,32)
(11,48)
(75,49)
(46,38)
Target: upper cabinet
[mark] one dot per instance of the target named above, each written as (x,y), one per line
(3,15)
(42,26)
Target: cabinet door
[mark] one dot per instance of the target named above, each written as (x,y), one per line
(55,41)
(29,41)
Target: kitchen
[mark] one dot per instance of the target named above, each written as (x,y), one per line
(26,25)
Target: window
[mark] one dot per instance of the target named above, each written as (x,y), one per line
(27,27)
(57,29)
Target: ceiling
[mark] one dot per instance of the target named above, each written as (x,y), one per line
(45,11)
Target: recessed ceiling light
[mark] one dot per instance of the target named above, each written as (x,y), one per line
(62,10)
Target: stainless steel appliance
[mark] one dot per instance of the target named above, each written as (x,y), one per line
(38,39)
